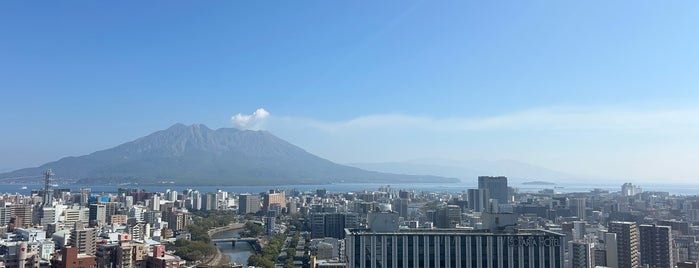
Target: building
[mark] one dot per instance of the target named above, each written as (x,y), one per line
(160,259)
(274,200)
(47,215)
(84,239)
(477,199)
(687,264)
(448,216)
(628,189)
(580,254)
(578,207)
(123,254)
(656,246)
(70,215)
(119,219)
(496,188)
(70,258)
(21,257)
(209,201)
(453,248)
(248,203)
(627,240)
(680,227)
(98,215)
(401,206)
(22,213)
(332,224)
(178,220)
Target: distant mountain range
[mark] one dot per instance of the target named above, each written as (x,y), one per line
(197,155)
(517,172)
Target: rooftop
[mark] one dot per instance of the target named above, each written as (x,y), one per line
(454,231)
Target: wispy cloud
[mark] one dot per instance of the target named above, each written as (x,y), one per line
(617,142)
(598,119)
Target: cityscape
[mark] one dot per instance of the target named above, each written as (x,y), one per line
(349,134)
(493,225)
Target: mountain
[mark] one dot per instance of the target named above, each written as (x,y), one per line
(197,155)
(517,172)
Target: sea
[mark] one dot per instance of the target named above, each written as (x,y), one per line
(673,189)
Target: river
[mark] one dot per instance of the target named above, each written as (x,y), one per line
(239,253)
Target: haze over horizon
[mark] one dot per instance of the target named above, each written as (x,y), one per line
(598,89)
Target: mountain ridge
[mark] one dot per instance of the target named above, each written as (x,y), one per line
(516,171)
(197,155)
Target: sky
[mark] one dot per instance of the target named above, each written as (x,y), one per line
(596,88)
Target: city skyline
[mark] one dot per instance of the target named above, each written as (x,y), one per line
(604,90)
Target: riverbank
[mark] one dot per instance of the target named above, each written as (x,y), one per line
(219,259)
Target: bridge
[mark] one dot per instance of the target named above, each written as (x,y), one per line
(234,239)
(254,242)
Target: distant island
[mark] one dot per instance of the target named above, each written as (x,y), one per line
(538,183)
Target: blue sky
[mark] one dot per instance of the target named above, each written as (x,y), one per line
(605,88)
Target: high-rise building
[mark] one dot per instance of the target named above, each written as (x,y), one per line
(155,202)
(209,201)
(332,224)
(627,239)
(447,216)
(47,215)
(681,227)
(71,215)
(580,254)
(274,198)
(98,214)
(477,199)
(578,207)
(496,188)
(453,248)
(22,214)
(5,214)
(401,206)
(248,203)
(84,239)
(656,246)
(48,190)
(628,189)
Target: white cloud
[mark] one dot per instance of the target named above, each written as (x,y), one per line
(252,121)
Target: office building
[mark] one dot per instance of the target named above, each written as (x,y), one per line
(248,203)
(578,207)
(274,200)
(400,205)
(448,216)
(496,188)
(627,239)
(453,248)
(98,215)
(332,224)
(477,199)
(656,246)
